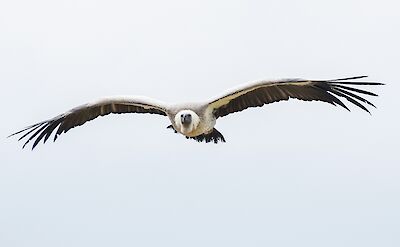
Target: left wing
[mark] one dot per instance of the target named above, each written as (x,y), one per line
(265,92)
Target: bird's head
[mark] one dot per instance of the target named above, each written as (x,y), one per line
(187,121)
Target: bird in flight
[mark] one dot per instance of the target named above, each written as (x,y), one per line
(197,120)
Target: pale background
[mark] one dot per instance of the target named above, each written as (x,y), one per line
(290,174)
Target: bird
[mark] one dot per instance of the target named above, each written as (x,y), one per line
(197,120)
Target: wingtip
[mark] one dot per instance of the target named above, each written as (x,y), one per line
(344,106)
(360,76)
(13,134)
(351,78)
(25,144)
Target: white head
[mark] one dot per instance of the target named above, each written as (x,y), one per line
(187,121)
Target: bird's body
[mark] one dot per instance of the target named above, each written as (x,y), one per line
(197,120)
(203,120)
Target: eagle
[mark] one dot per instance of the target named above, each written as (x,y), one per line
(197,120)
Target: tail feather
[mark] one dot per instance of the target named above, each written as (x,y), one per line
(214,136)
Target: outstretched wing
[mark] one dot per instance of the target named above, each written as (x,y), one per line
(264,92)
(84,113)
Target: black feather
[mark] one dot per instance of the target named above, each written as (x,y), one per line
(354,96)
(351,100)
(356,90)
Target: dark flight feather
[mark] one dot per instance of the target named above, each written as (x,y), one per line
(329,91)
(76,117)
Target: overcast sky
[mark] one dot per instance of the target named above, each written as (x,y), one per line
(291,173)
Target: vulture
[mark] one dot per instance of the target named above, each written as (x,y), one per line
(197,120)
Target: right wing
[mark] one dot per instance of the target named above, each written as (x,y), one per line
(84,113)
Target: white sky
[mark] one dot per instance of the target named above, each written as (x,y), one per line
(290,174)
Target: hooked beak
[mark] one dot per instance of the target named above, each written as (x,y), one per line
(186,119)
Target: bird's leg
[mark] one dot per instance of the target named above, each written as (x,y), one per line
(172,127)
